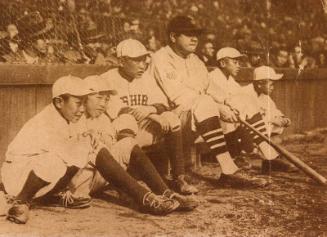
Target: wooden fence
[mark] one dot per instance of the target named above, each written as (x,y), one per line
(25,90)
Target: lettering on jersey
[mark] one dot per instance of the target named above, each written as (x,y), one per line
(135,100)
(171,75)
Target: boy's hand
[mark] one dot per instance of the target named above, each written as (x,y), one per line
(227,115)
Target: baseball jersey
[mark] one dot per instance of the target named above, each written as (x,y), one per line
(138,92)
(103,128)
(221,87)
(181,79)
(49,132)
(266,105)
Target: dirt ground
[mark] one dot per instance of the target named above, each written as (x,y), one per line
(293,205)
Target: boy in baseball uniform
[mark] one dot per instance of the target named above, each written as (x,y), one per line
(48,150)
(139,95)
(124,162)
(224,89)
(184,79)
(275,121)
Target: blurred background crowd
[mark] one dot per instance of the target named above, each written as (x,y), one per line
(279,33)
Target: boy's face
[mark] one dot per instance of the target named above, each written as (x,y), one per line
(96,104)
(134,67)
(266,86)
(232,66)
(71,108)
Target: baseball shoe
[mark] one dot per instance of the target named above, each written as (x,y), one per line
(66,199)
(242,179)
(183,187)
(187,203)
(159,205)
(18,212)
(242,163)
(277,165)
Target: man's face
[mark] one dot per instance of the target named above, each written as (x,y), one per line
(255,59)
(232,66)
(186,43)
(12,30)
(71,108)
(298,53)
(266,86)
(209,50)
(282,57)
(96,104)
(134,67)
(41,46)
(13,46)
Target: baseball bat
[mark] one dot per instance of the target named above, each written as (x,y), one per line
(289,156)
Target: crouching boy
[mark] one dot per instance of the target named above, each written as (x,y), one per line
(48,150)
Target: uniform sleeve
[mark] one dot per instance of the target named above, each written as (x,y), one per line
(272,109)
(156,97)
(215,90)
(115,107)
(167,78)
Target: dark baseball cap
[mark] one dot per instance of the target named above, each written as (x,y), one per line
(184,25)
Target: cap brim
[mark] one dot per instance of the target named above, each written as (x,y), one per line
(273,78)
(196,31)
(239,56)
(276,77)
(138,56)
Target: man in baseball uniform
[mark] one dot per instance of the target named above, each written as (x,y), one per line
(140,96)
(48,150)
(125,161)
(184,79)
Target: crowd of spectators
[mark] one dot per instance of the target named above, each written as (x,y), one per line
(276,32)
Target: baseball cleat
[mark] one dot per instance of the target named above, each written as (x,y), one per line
(242,179)
(277,165)
(159,205)
(67,200)
(187,203)
(18,212)
(242,162)
(183,187)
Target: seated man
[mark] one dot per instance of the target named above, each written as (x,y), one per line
(183,78)
(48,150)
(123,154)
(139,95)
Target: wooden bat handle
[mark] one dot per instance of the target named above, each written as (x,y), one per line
(289,156)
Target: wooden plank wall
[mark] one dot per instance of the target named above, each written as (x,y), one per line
(25,90)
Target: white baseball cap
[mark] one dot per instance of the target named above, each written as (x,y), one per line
(131,48)
(96,84)
(266,73)
(228,52)
(69,85)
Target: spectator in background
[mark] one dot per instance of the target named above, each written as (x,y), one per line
(301,61)
(12,31)
(10,51)
(255,55)
(33,31)
(280,58)
(207,54)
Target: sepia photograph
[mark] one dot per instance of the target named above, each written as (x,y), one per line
(163,118)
